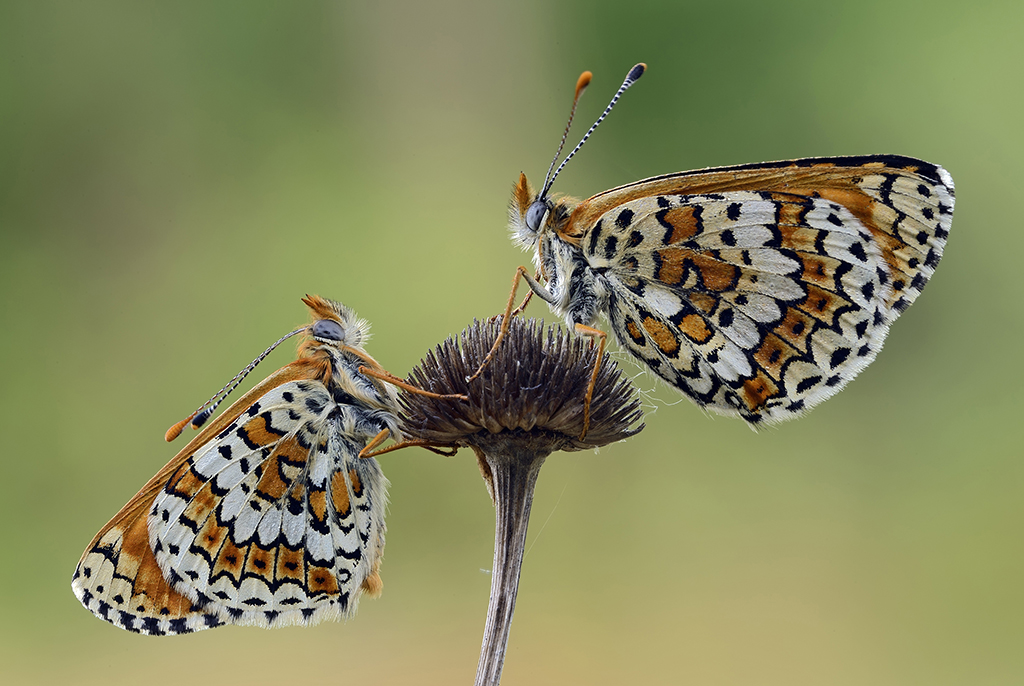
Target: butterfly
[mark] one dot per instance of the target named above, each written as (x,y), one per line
(270,516)
(757,290)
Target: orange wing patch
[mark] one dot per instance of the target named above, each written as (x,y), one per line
(339,494)
(290,564)
(186,483)
(260,562)
(211,537)
(685,222)
(230,562)
(757,391)
(321,581)
(696,328)
(670,270)
(357,484)
(258,432)
(773,355)
(634,332)
(662,336)
(202,505)
(677,264)
(824,306)
(318,504)
(715,274)
(795,328)
(819,270)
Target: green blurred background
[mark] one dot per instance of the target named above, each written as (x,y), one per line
(175,176)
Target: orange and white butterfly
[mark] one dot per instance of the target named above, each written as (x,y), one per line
(757,290)
(269,516)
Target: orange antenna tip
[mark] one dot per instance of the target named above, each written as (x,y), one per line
(176,430)
(582,82)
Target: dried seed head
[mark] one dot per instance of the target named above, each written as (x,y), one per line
(532,392)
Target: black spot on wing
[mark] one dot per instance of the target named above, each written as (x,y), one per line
(244,435)
(315,404)
(839,355)
(624,219)
(611,245)
(592,242)
(808,383)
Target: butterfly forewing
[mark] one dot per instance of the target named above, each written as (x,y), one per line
(761,290)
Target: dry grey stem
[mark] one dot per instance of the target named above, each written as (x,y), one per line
(528,403)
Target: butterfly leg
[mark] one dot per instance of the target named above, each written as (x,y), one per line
(369,451)
(602,339)
(506,317)
(526,300)
(374,442)
(522,306)
(387,376)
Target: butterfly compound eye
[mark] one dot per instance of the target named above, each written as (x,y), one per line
(328,329)
(535,215)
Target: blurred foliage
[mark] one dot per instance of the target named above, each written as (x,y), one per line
(175,176)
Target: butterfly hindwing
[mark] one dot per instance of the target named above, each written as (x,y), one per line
(266,527)
(274,521)
(766,296)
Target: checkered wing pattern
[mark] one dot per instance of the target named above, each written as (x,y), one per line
(274,521)
(760,291)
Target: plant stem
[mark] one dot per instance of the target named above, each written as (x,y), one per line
(511,467)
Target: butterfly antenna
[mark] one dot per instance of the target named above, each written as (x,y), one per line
(632,77)
(581,85)
(206,410)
